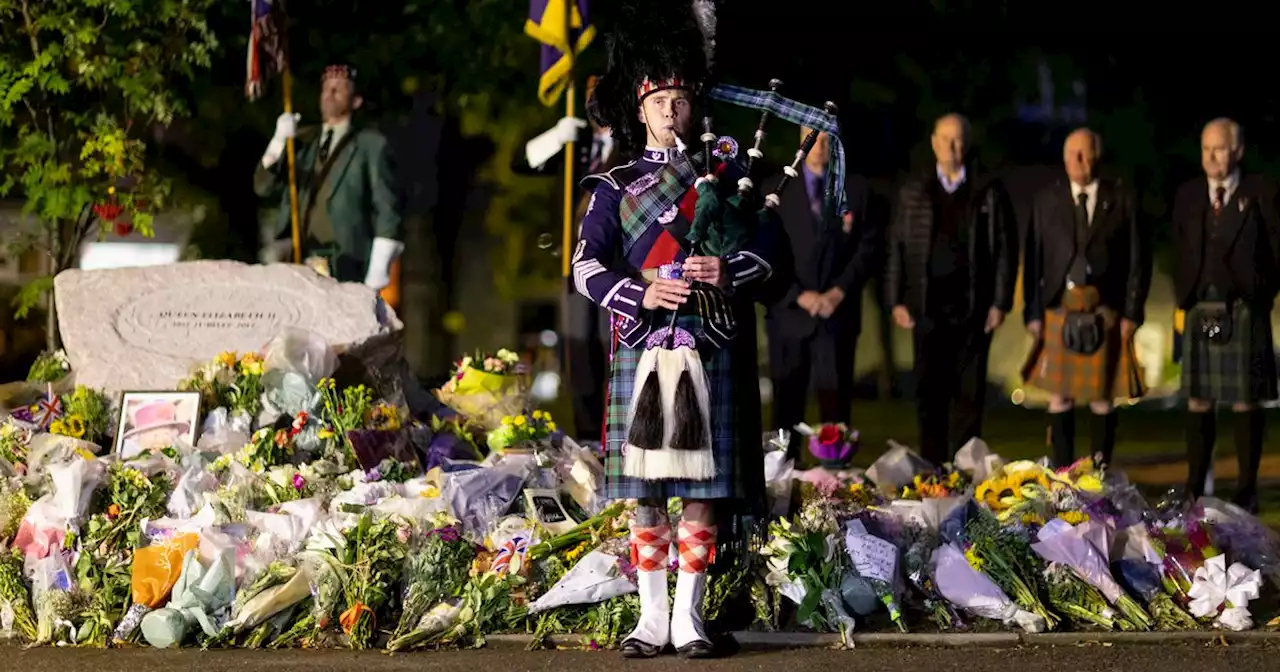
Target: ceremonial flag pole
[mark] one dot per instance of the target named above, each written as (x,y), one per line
(269,53)
(563,29)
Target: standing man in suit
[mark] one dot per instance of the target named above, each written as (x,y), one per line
(813,328)
(953,261)
(348,207)
(1226,248)
(1085,280)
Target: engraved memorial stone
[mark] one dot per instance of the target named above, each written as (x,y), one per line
(145,328)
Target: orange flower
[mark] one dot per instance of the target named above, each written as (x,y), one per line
(113,511)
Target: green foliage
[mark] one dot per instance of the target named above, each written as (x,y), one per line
(82,83)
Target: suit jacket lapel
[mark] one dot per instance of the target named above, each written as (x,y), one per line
(342,160)
(1233,215)
(1104,210)
(1066,224)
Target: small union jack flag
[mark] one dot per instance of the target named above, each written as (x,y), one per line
(42,413)
(266,45)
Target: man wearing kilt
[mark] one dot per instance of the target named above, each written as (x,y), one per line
(1225,254)
(1087,271)
(682,395)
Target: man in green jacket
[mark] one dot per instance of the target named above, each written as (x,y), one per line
(348,208)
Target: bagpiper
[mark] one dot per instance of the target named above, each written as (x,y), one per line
(676,244)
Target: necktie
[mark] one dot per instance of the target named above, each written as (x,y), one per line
(325,145)
(1082,209)
(597,155)
(1220,199)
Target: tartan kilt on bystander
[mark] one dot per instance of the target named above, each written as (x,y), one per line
(724,412)
(1242,370)
(1109,373)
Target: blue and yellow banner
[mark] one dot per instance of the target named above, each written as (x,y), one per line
(549,26)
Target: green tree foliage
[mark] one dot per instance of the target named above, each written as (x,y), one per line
(82,84)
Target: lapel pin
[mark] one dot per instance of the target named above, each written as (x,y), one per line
(1244,203)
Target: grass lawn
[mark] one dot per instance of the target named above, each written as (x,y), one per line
(1144,435)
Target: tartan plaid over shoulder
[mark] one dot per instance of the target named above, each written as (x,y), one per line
(651,195)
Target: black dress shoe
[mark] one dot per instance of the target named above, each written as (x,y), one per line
(634,648)
(697,649)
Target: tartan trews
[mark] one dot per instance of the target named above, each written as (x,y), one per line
(1242,370)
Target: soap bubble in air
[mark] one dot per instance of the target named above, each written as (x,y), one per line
(545,241)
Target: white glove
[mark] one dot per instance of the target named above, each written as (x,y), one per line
(540,149)
(384,253)
(286,127)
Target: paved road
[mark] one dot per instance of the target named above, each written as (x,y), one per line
(1090,658)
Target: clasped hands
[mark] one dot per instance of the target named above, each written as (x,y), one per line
(670,294)
(821,304)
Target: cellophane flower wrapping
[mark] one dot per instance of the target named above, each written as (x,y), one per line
(595,578)
(485,397)
(972,591)
(1058,541)
(294,363)
(1137,565)
(478,497)
(202,598)
(1242,536)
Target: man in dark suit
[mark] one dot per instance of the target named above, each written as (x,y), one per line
(1086,276)
(953,261)
(813,328)
(1226,249)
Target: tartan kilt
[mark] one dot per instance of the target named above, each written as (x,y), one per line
(1242,370)
(622,378)
(1110,373)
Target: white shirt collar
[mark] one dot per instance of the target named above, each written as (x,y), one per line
(1230,184)
(951,185)
(1091,190)
(339,129)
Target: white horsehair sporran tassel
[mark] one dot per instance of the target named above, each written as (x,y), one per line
(683,412)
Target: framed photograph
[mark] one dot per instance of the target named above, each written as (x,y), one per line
(153,421)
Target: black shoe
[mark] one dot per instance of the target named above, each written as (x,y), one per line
(634,648)
(697,649)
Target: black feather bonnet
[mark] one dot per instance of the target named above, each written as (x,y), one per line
(652,45)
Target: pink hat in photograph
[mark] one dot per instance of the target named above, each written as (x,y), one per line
(156,415)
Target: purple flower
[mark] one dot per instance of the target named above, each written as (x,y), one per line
(373,475)
(445,533)
(299,482)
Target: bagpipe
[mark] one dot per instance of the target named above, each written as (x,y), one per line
(669,434)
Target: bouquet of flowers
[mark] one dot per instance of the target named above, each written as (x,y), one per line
(486,387)
(833,445)
(935,486)
(374,557)
(87,416)
(521,431)
(344,412)
(436,571)
(1015,490)
(266,449)
(13,447)
(229,382)
(1006,557)
(49,367)
(807,568)
(1060,542)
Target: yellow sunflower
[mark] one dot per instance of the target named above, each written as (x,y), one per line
(1073,517)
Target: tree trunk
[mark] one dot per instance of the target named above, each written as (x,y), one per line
(54,242)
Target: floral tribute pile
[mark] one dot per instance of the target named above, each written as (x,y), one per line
(315,514)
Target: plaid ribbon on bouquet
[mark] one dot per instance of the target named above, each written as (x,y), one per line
(800,114)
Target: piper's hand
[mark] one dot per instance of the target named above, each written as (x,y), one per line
(710,270)
(1035,328)
(286,127)
(995,318)
(669,294)
(902,317)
